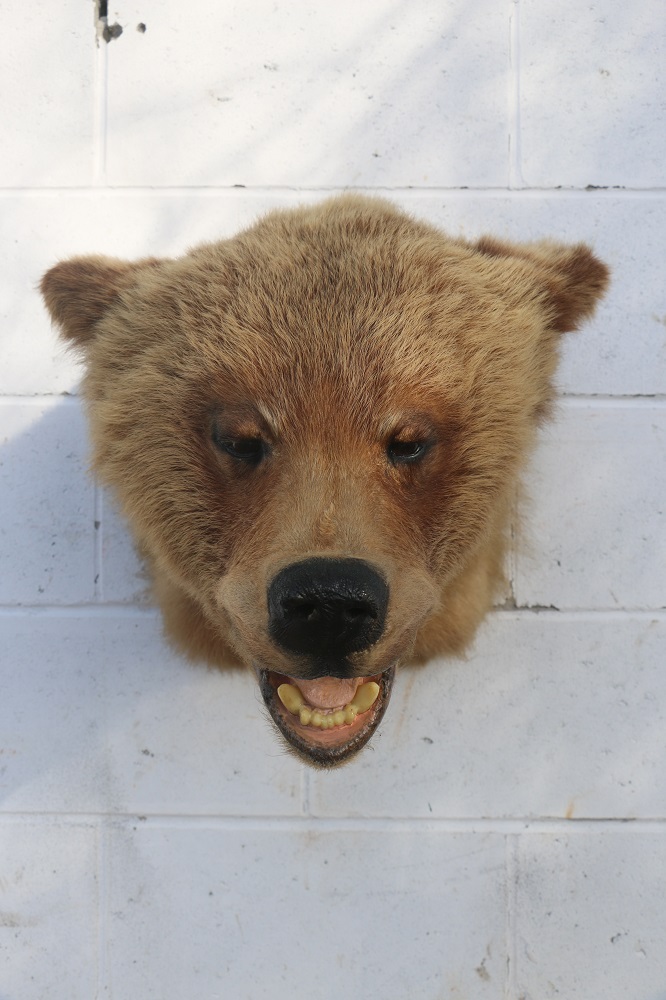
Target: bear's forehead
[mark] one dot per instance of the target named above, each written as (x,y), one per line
(313,353)
(327,310)
(337,321)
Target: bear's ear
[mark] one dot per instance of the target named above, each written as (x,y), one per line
(571,277)
(78,292)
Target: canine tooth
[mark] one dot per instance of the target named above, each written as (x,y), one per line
(316,719)
(365,697)
(305,715)
(339,717)
(291,698)
(350,713)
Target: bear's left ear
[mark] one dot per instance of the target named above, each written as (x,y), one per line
(571,277)
(78,292)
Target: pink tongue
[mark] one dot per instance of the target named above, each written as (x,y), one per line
(328,692)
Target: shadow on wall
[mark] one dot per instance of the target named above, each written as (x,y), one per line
(59,530)
(82,658)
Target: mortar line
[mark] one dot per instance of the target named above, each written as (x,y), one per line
(364,824)
(103,882)
(581,614)
(98,564)
(40,398)
(656,401)
(93,609)
(113,610)
(233,191)
(512,551)
(512,870)
(100,105)
(516,182)
(306,792)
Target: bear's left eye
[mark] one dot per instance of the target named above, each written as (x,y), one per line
(250,450)
(406,452)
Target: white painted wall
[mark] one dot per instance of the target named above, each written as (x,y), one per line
(505,838)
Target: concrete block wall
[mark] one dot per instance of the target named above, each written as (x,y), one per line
(505,837)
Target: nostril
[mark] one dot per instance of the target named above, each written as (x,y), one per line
(298,608)
(359,611)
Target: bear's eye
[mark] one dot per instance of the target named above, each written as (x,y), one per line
(250,450)
(405,452)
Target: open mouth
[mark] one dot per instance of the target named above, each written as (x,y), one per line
(329,719)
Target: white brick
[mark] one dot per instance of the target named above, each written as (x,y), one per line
(52,715)
(313,95)
(48,910)
(590,916)
(592,94)
(47,547)
(551,715)
(34,235)
(596,532)
(99,715)
(46,114)
(184,739)
(263,912)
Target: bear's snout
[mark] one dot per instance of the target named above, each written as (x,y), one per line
(327,608)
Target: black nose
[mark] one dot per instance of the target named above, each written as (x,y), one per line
(327,607)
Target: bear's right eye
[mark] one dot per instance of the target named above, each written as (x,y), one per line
(250,450)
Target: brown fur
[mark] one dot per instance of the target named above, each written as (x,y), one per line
(326,331)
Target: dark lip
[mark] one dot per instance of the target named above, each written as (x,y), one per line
(324,756)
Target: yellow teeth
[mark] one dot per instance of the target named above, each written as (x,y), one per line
(292,699)
(365,697)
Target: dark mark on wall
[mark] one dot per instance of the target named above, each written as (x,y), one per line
(111,32)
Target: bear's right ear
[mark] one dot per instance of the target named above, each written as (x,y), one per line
(78,292)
